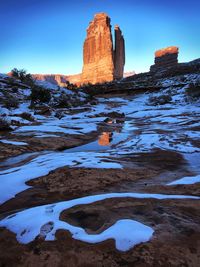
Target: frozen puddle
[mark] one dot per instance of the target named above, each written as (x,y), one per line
(106,141)
(44,221)
(193,161)
(18,159)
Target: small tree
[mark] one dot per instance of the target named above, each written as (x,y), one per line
(23,76)
(193,90)
(9,100)
(70,86)
(4,125)
(40,94)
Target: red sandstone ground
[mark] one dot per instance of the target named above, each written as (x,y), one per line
(176,223)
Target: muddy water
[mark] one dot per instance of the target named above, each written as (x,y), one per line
(19,160)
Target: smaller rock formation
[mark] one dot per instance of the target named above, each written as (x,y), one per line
(165,57)
(119,54)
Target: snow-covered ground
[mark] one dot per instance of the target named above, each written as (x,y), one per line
(172,126)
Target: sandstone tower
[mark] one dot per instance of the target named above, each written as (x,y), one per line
(100,62)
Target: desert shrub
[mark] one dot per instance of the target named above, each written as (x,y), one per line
(22,75)
(10,101)
(63,101)
(193,90)
(27,116)
(59,114)
(14,89)
(4,125)
(70,86)
(40,94)
(159,100)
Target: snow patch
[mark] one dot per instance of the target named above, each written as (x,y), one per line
(28,224)
(186,180)
(16,143)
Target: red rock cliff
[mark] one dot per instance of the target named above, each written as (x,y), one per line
(100,62)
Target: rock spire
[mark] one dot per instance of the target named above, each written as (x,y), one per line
(100,62)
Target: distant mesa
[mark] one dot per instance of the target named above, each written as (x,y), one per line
(128,74)
(102,63)
(165,57)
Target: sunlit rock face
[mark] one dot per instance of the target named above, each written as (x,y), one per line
(100,62)
(165,57)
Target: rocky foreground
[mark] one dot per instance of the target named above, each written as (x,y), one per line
(110,180)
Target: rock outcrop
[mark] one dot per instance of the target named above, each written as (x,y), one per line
(164,58)
(100,62)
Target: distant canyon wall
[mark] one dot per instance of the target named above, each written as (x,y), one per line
(59,79)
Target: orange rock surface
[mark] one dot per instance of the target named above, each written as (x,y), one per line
(100,62)
(167,50)
(105,138)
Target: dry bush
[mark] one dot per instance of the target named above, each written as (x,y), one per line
(193,90)
(4,125)
(159,100)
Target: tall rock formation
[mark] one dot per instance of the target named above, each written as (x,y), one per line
(100,62)
(165,57)
(119,54)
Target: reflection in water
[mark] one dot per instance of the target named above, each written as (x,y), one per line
(105,138)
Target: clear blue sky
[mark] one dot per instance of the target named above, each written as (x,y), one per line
(46,36)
